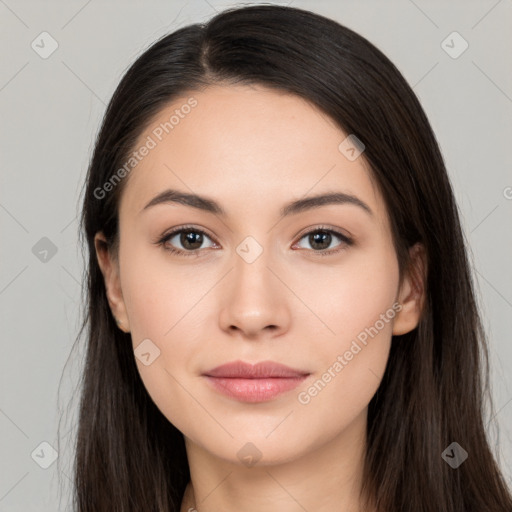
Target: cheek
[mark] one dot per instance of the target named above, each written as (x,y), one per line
(163,307)
(366,292)
(346,298)
(159,293)
(350,356)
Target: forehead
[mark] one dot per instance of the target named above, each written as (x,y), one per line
(247,146)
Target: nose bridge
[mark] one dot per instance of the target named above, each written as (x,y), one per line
(251,275)
(254,298)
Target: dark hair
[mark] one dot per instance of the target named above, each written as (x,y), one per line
(129,457)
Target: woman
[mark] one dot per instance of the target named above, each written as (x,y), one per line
(280,309)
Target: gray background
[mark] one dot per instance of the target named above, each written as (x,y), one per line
(51,110)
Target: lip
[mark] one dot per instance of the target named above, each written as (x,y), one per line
(254,383)
(262,370)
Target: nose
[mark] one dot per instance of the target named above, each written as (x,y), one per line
(254,301)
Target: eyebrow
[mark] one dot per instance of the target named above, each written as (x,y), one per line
(209,205)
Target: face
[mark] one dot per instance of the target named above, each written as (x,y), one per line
(315,287)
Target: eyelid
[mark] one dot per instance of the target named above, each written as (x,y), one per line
(163,239)
(173,231)
(325,227)
(346,240)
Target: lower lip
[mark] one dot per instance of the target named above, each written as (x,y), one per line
(254,390)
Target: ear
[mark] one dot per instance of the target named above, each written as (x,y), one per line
(110,269)
(412,292)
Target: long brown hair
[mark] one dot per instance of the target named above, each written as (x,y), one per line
(129,457)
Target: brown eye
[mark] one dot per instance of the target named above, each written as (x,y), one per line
(190,239)
(321,239)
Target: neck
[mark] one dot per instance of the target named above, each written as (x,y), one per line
(324,478)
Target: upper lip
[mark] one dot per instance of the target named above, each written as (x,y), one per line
(264,369)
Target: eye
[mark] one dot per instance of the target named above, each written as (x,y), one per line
(190,238)
(321,238)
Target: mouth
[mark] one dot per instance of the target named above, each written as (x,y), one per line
(254,383)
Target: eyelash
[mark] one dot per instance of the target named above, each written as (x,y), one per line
(162,241)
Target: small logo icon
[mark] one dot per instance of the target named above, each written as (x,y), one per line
(454,45)
(146,352)
(249,249)
(44,45)
(454,455)
(44,249)
(44,455)
(351,147)
(249,454)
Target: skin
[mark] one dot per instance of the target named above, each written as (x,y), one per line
(254,150)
